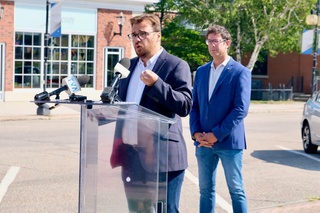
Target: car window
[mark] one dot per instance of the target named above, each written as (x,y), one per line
(318,98)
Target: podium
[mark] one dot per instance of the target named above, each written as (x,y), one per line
(123,158)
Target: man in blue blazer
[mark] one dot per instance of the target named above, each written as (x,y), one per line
(221,99)
(160,82)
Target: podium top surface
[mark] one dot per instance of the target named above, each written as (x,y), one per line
(116,108)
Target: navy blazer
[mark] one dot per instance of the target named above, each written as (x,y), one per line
(170,96)
(224,113)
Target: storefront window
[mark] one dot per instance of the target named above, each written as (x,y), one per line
(27,60)
(67,55)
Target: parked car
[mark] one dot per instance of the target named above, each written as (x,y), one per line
(310,124)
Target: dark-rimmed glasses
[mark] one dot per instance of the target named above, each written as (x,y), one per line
(214,41)
(141,35)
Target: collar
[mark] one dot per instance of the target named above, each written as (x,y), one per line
(224,63)
(153,59)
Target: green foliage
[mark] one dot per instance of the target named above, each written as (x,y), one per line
(185,43)
(249,21)
(274,25)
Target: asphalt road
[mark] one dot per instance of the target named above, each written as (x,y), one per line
(39,167)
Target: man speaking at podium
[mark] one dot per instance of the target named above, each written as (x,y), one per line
(160,82)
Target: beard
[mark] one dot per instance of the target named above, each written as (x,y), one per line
(141,53)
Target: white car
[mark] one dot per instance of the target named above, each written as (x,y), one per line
(310,124)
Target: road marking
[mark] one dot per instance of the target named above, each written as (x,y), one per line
(299,153)
(7,180)
(219,200)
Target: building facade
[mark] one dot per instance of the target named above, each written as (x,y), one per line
(90,44)
(288,70)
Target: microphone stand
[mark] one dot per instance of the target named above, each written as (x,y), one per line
(77,98)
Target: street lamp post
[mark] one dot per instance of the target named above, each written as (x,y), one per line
(313,19)
(44,108)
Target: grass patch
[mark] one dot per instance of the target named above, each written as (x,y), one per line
(314,198)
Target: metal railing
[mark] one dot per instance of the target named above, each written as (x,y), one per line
(276,94)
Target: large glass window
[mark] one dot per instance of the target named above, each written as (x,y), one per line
(27,71)
(82,56)
(67,55)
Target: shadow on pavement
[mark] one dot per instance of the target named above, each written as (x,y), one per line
(284,157)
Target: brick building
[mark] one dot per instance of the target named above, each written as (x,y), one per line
(90,44)
(291,69)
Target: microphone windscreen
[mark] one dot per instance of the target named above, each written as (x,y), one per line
(83,80)
(72,84)
(125,62)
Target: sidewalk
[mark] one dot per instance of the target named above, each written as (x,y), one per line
(290,106)
(23,110)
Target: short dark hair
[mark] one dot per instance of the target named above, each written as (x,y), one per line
(153,19)
(217,29)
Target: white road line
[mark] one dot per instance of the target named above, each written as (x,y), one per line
(7,180)
(299,153)
(219,200)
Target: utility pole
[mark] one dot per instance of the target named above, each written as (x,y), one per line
(315,47)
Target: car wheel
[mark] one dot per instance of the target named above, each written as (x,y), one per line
(306,140)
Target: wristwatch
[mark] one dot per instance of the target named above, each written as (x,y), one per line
(193,138)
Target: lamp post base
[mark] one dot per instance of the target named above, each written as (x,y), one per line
(43,110)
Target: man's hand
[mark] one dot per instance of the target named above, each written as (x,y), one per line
(205,139)
(149,78)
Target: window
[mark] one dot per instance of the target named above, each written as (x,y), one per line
(67,55)
(82,56)
(261,66)
(27,60)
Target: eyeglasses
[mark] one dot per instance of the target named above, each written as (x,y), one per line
(141,35)
(214,41)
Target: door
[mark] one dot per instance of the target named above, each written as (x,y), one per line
(112,56)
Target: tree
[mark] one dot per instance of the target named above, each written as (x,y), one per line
(275,25)
(164,8)
(185,43)
(178,40)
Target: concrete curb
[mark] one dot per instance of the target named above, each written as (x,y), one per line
(14,111)
(38,117)
(303,206)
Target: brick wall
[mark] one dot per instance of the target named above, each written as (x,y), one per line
(7,37)
(285,66)
(107,25)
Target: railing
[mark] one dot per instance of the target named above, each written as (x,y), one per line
(279,94)
(296,83)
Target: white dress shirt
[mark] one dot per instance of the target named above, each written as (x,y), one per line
(136,86)
(215,74)
(134,94)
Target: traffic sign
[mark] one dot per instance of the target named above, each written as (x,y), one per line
(307,42)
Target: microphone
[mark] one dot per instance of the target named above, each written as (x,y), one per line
(70,84)
(121,71)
